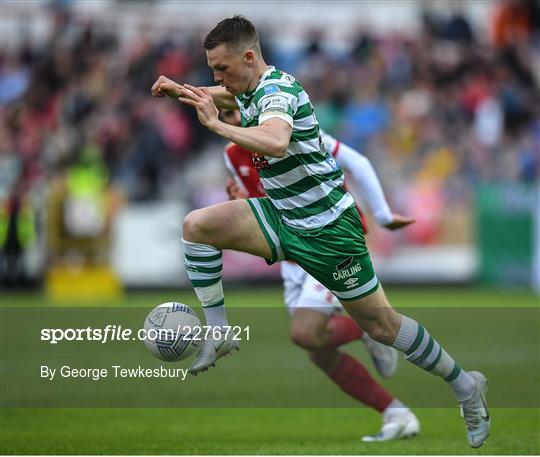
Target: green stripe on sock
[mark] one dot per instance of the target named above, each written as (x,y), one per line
(219,303)
(203,258)
(197,269)
(422,357)
(436,361)
(417,341)
(454,374)
(204,282)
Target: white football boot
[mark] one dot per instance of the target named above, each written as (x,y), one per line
(385,358)
(211,351)
(475,412)
(397,423)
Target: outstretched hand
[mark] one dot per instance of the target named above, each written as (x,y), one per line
(399,221)
(200,99)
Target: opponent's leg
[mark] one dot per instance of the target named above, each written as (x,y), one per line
(398,422)
(310,329)
(229,225)
(344,329)
(374,314)
(338,329)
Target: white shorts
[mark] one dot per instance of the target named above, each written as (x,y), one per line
(300,290)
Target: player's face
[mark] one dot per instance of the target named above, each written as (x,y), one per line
(231,69)
(231,116)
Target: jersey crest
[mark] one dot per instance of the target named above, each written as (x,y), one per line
(259,162)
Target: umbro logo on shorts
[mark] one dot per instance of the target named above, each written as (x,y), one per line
(351,282)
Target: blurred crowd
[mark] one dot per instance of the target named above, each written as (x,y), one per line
(445,109)
(446,106)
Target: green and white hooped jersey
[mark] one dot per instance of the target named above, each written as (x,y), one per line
(306,184)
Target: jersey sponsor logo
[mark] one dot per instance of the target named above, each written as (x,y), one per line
(345,271)
(271,89)
(275,103)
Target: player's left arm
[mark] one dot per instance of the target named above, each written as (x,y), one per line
(369,185)
(270,138)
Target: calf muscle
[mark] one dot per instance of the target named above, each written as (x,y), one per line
(374,314)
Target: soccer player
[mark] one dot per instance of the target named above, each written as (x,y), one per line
(317,324)
(308,216)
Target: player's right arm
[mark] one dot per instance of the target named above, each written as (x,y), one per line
(165,87)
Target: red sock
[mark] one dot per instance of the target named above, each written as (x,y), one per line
(353,378)
(343,330)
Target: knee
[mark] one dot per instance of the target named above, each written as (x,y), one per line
(193,226)
(307,339)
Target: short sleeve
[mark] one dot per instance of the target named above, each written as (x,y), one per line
(276,103)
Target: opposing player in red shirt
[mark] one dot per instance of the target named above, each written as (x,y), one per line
(317,322)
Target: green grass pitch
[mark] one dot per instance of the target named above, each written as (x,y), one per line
(281,430)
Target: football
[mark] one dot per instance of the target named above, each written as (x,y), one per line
(172,332)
